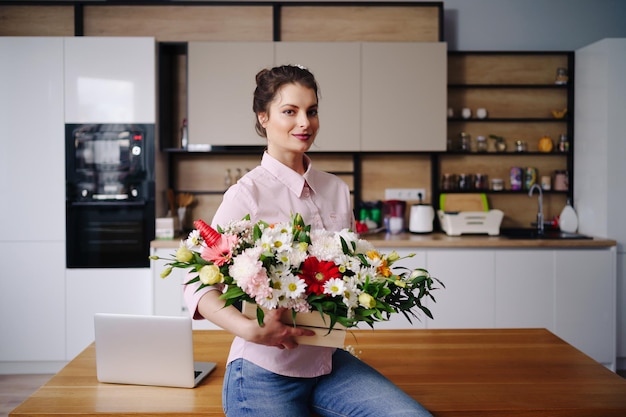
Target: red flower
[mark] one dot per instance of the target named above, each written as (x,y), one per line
(315,273)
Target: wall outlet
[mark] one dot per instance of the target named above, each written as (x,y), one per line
(405,194)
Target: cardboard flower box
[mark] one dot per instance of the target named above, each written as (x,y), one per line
(312,321)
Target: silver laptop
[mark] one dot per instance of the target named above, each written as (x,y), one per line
(147,350)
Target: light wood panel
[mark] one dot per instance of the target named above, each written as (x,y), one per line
(504,69)
(359,23)
(509,102)
(181,23)
(494,372)
(36,21)
(381,171)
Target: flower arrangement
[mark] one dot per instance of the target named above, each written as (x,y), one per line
(289,265)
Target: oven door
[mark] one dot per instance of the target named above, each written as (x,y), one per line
(108,234)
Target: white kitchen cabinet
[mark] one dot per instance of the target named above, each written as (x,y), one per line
(32,160)
(168,292)
(337,69)
(468,301)
(32,307)
(91,291)
(524,292)
(221,81)
(599,187)
(32,180)
(403,96)
(585,313)
(110,80)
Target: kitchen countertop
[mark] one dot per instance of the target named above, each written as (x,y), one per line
(441,240)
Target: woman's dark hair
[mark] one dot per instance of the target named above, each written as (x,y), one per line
(269,81)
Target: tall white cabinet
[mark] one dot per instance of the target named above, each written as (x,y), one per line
(32,216)
(599,187)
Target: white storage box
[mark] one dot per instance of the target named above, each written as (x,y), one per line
(471,222)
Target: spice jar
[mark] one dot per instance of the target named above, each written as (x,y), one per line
(465,182)
(481,181)
(497,184)
(481,144)
(561,76)
(448,182)
(563,144)
(464,142)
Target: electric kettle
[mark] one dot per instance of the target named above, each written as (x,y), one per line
(421,218)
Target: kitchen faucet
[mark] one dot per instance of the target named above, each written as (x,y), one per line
(540,210)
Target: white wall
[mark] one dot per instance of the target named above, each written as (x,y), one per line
(531,24)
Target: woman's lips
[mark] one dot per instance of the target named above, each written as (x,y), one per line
(302,136)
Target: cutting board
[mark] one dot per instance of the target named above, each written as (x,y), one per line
(464,202)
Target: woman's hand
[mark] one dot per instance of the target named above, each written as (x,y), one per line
(272,333)
(276,333)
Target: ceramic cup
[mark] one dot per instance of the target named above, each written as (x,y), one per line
(466,113)
(481,113)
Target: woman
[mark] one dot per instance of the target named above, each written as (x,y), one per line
(268,373)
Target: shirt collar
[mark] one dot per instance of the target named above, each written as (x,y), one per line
(290,178)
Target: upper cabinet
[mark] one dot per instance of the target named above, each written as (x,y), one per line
(110,80)
(403,96)
(221,81)
(337,69)
(379,96)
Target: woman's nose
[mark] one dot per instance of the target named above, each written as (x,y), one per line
(303,119)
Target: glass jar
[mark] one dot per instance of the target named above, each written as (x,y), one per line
(464,142)
(481,181)
(497,184)
(448,182)
(465,182)
(561,181)
(563,144)
(561,76)
(481,144)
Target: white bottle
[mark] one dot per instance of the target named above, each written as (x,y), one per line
(568,220)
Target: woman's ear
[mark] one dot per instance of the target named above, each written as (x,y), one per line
(262,118)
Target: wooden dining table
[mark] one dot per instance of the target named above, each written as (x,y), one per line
(491,372)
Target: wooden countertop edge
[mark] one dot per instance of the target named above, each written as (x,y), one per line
(441,240)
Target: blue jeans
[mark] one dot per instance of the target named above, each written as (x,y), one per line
(352,389)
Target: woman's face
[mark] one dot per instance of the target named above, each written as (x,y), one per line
(291,123)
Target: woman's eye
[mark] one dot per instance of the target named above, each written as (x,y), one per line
(289,112)
(312,112)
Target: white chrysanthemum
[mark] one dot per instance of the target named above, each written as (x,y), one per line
(278,238)
(363,246)
(293,286)
(194,241)
(268,301)
(334,286)
(347,235)
(324,246)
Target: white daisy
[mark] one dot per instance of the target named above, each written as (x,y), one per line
(334,286)
(292,286)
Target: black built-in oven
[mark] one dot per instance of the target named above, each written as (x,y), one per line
(110,195)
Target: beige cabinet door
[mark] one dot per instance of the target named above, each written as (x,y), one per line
(403,96)
(336,66)
(221,82)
